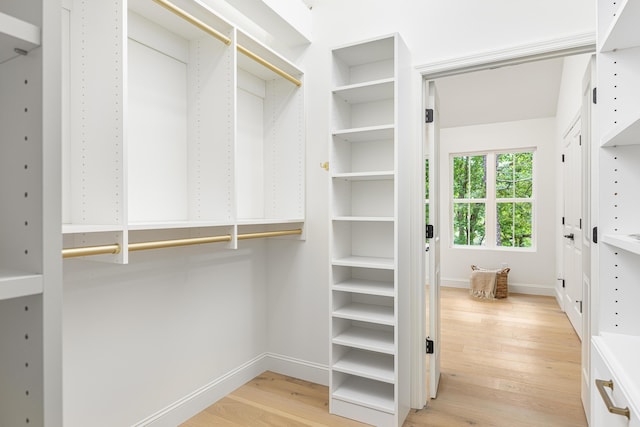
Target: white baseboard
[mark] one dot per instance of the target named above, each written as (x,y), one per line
(297,368)
(195,402)
(559,298)
(516,288)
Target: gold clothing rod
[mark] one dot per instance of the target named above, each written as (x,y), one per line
(91,250)
(268,64)
(177,242)
(258,235)
(159,244)
(194,21)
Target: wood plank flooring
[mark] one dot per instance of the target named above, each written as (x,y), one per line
(511,363)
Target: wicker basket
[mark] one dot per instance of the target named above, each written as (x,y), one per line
(502,281)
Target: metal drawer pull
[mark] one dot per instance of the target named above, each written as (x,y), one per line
(601,384)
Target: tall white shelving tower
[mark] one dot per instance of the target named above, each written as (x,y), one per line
(30,262)
(615,347)
(369,232)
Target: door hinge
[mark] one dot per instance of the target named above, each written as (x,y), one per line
(595,95)
(429,231)
(580,140)
(429,345)
(580,302)
(562,280)
(594,236)
(580,223)
(428,115)
(562,220)
(563,158)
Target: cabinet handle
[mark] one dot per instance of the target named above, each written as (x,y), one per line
(601,384)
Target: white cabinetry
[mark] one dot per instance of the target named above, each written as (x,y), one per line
(176,127)
(30,279)
(618,321)
(369,221)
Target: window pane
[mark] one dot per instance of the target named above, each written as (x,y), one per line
(426,213)
(523,174)
(469,224)
(478,177)
(514,224)
(504,175)
(426,179)
(460,177)
(469,177)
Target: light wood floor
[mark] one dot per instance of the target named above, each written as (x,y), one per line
(511,363)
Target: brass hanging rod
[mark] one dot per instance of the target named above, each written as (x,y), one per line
(91,250)
(194,21)
(226,40)
(246,236)
(269,65)
(159,244)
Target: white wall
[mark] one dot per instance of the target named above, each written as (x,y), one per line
(531,270)
(141,336)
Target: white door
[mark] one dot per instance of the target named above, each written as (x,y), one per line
(572,228)
(433,148)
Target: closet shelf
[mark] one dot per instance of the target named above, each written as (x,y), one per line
(369,287)
(90,228)
(268,221)
(365,262)
(379,314)
(364,218)
(368,393)
(14,284)
(625,133)
(139,226)
(368,133)
(365,176)
(623,29)
(624,242)
(366,92)
(16,34)
(375,366)
(377,340)
(621,352)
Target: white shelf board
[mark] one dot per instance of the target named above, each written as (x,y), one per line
(267,221)
(625,133)
(90,228)
(364,218)
(162,225)
(369,287)
(623,30)
(368,133)
(365,392)
(365,176)
(375,366)
(379,314)
(621,351)
(623,242)
(379,49)
(366,92)
(15,284)
(366,339)
(365,262)
(15,33)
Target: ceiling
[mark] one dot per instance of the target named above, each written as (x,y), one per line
(516,92)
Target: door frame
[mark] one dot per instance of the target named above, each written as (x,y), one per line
(518,54)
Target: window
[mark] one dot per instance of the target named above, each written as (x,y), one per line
(493,206)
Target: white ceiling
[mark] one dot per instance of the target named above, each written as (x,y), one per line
(517,92)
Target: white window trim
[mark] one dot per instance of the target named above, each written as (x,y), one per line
(491,201)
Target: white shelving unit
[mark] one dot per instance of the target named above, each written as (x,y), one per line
(30,280)
(179,130)
(368,293)
(617,335)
